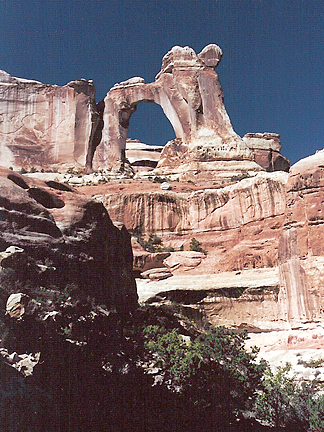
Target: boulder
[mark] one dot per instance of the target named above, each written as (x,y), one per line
(156,274)
(266,149)
(183,260)
(146,260)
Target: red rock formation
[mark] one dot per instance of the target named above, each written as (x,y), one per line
(238,225)
(142,157)
(66,238)
(190,94)
(45,125)
(301,253)
(266,149)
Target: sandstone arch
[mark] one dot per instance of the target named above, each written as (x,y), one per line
(189,92)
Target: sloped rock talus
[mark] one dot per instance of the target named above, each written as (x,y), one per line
(66,238)
(45,125)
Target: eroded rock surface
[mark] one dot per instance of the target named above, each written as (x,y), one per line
(189,92)
(44,125)
(142,157)
(266,149)
(238,225)
(301,253)
(66,238)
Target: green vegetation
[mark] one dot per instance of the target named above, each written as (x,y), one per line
(151,370)
(212,372)
(195,246)
(244,174)
(287,402)
(312,363)
(153,243)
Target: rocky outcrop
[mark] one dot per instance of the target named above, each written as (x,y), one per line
(247,299)
(271,221)
(238,225)
(266,149)
(45,126)
(66,238)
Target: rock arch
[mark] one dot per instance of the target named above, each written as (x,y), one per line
(189,92)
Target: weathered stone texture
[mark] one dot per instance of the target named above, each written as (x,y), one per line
(301,246)
(45,125)
(239,225)
(189,92)
(266,149)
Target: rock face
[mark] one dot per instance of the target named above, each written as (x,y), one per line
(66,238)
(266,149)
(301,253)
(270,221)
(46,126)
(43,125)
(239,225)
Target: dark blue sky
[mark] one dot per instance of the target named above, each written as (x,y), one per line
(272,70)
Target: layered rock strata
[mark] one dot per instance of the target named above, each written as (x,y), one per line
(270,221)
(43,126)
(46,126)
(63,237)
(239,225)
(142,157)
(266,150)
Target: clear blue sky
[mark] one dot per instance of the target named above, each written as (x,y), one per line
(272,70)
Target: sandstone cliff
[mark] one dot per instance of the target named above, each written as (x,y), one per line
(239,224)
(301,253)
(271,222)
(46,126)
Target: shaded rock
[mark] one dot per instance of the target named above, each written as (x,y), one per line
(71,243)
(156,274)
(146,260)
(266,149)
(247,298)
(142,157)
(23,363)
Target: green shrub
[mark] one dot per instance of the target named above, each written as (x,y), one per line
(195,246)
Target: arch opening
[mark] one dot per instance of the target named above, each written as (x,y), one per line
(150,125)
(148,131)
